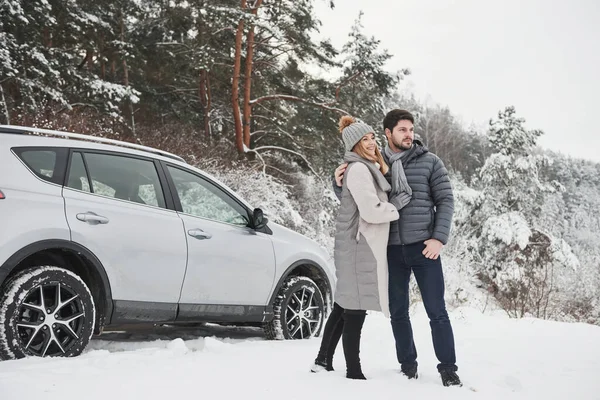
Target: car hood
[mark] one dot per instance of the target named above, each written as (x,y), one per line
(290,244)
(282,233)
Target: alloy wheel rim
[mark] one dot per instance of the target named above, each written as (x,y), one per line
(50,320)
(303,314)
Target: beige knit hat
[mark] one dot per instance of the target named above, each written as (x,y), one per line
(353,131)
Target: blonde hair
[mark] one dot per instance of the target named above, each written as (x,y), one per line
(378,158)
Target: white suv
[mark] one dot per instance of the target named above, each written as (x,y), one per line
(97,233)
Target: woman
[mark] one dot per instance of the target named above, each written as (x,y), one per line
(361,238)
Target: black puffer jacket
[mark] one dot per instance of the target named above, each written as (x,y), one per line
(429,213)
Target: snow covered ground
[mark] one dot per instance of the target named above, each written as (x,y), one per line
(498,357)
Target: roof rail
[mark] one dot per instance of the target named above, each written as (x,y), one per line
(12,129)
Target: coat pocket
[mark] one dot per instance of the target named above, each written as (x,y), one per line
(365,261)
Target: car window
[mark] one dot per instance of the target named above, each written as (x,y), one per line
(45,163)
(201,198)
(77,177)
(119,177)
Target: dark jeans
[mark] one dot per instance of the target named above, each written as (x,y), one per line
(403,260)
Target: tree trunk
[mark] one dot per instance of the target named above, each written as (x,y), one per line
(205,99)
(101,56)
(90,60)
(248,77)
(237,64)
(6,114)
(47,37)
(126,77)
(204,80)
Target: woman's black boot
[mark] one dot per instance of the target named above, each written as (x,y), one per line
(331,337)
(353,323)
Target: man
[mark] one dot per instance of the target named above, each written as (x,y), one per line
(415,243)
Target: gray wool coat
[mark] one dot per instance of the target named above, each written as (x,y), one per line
(362,231)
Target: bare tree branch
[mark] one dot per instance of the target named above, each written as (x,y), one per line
(221,30)
(255,150)
(344,83)
(71,106)
(170,44)
(282,172)
(260,131)
(297,99)
(263,41)
(176,91)
(276,127)
(261,159)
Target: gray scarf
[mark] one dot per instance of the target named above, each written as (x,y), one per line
(350,157)
(401,193)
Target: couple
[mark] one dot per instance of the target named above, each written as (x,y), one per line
(384,232)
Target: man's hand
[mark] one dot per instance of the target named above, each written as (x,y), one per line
(432,250)
(339,173)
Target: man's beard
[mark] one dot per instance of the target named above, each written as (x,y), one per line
(402,146)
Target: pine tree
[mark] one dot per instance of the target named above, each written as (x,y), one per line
(186,53)
(524,266)
(365,83)
(51,48)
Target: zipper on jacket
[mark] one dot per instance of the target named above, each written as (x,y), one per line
(399,231)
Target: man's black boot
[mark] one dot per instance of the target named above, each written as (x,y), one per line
(410,371)
(450,378)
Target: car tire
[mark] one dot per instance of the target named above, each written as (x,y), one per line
(45,311)
(299,310)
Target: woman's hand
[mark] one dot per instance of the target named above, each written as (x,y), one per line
(339,173)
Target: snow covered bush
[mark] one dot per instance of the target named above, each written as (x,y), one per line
(523,266)
(463,286)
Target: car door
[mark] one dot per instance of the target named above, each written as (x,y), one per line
(228,262)
(115,206)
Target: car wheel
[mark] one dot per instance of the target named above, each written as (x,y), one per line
(299,310)
(45,311)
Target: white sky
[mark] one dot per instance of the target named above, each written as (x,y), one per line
(478,56)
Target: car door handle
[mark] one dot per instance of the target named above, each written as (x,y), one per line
(92,218)
(199,234)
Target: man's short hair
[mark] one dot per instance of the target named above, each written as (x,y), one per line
(391,118)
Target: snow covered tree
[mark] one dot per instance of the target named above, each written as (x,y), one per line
(511,174)
(48,49)
(365,83)
(184,61)
(524,266)
(30,70)
(272,43)
(508,135)
(360,90)
(572,215)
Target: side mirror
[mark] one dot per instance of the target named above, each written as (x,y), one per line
(259,221)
